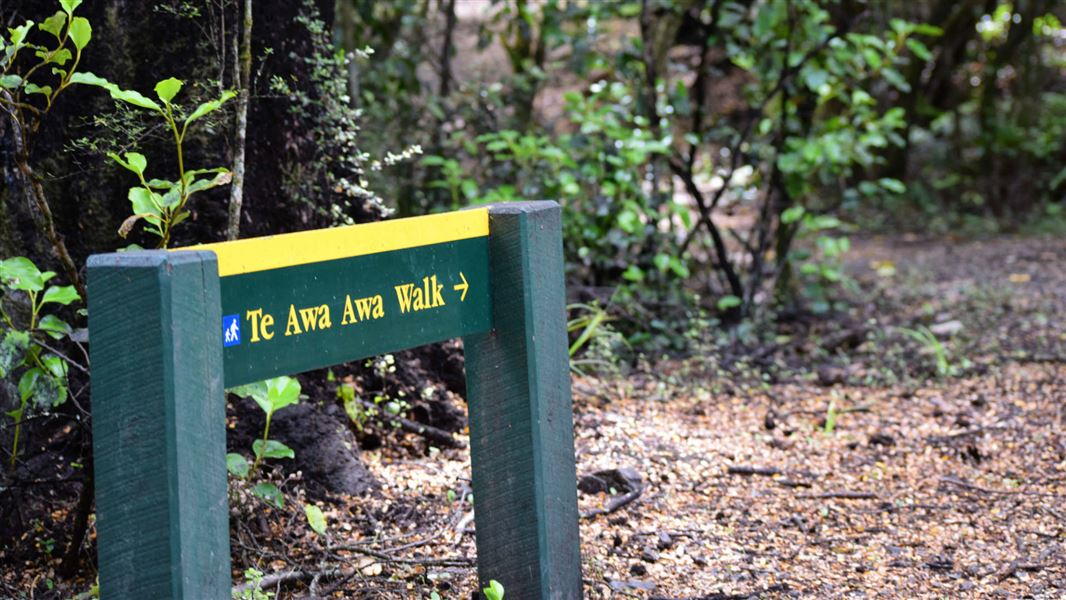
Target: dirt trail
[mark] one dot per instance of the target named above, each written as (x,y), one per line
(923,487)
(952,490)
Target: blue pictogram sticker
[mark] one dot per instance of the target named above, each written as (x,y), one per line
(231,330)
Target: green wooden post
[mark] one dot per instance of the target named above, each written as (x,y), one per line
(521,423)
(159,426)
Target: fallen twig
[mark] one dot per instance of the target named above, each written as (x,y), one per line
(976,488)
(1020,566)
(615,504)
(437,436)
(749,470)
(286,577)
(841,495)
(941,439)
(433,562)
(461,527)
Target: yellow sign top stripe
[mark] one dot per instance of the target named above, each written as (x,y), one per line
(305,247)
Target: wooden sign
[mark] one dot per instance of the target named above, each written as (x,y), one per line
(296,302)
(169,330)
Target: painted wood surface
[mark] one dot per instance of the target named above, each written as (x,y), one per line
(301,301)
(521,420)
(159,439)
(300,318)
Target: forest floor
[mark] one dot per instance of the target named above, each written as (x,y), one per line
(843,460)
(853,472)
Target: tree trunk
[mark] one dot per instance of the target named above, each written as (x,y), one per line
(236,192)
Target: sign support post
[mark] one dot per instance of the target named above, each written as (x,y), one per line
(159,426)
(521,423)
(170,330)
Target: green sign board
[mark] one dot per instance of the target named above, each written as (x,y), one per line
(296,302)
(170,330)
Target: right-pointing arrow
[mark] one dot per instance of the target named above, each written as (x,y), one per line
(464,286)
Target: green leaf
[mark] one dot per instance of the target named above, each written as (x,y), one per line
(33,88)
(190,175)
(18,34)
(54,326)
(899,25)
(132,97)
(28,383)
(919,49)
(206,184)
(178,218)
(256,391)
(208,107)
(272,449)
(727,302)
(792,214)
(87,78)
(171,198)
(80,32)
(315,518)
(54,24)
(161,184)
(12,350)
(270,493)
(896,80)
(823,222)
(815,78)
(282,391)
(60,295)
(893,185)
(926,29)
(168,88)
(69,5)
(10,82)
(21,274)
(629,222)
(469,189)
(145,201)
(494,591)
(872,57)
(137,162)
(633,273)
(51,391)
(55,365)
(679,267)
(237,465)
(134,161)
(662,261)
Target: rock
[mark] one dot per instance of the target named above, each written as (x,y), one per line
(633,584)
(622,480)
(829,375)
(946,328)
(665,541)
(649,555)
(638,570)
(940,563)
(882,439)
(769,421)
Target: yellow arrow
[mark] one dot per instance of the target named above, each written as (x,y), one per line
(462,286)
